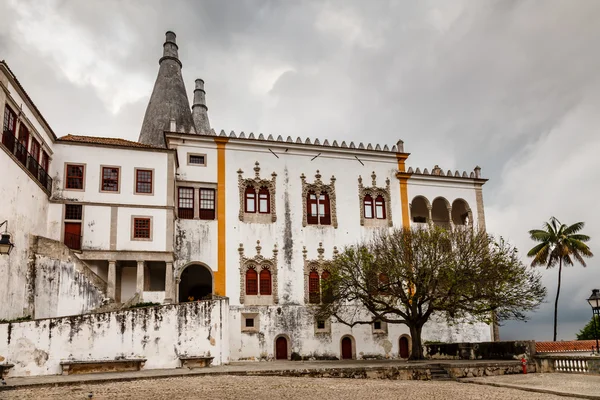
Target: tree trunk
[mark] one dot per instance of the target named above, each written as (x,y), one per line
(556,301)
(417,348)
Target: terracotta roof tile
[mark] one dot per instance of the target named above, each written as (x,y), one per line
(106,141)
(558,347)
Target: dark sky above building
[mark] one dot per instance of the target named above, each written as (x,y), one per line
(512,86)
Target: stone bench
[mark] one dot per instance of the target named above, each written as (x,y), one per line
(70,367)
(195,361)
(4,369)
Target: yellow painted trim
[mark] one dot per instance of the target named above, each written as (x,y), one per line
(221,273)
(403,177)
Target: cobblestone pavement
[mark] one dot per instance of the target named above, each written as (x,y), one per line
(574,384)
(276,388)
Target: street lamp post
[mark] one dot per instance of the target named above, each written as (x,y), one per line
(594,301)
(5,244)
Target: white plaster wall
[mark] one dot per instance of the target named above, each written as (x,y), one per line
(55,221)
(96,228)
(24,206)
(158,334)
(195,241)
(158,226)
(96,156)
(196,173)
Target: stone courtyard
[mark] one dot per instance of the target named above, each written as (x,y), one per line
(264,387)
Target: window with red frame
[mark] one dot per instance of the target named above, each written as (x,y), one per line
(185,206)
(264,201)
(141,228)
(23,135)
(251,282)
(265,282)
(10,120)
(379,207)
(110,179)
(314,288)
(368,206)
(250,199)
(207,204)
(143,181)
(74,176)
(45,161)
(35,150)
(318,209)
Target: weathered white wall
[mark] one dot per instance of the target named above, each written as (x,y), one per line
(159,229)
(95,231)
(158,334)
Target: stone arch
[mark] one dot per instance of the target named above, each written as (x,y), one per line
(419,209)
(352,344)
(440,212)
(461,213)
(408,343)
(195,280)
(288,346)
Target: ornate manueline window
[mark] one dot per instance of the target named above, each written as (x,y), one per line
(257,197)
(319,205)
(258,277)
(316,274)
(375,210)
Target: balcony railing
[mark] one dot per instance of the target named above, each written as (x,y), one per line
(10,142)
(73,241)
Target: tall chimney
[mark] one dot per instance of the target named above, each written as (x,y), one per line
(199,109)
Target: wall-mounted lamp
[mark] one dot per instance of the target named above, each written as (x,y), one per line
(5,244)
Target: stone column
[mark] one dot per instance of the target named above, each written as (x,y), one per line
(429,217)
(139,287)
(450,218)
(169,292)
(111,287)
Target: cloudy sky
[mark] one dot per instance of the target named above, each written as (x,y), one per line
(513,86)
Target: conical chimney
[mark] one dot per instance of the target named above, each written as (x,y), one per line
(199,109)
(168,100)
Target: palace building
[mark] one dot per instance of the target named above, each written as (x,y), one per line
(232,233)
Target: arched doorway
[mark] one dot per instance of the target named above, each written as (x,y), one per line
(281,348)
(346,348)
(196,283)
(404,347)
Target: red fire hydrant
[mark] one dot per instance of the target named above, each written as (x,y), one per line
(524,364)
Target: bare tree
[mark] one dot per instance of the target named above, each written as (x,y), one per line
(406,276)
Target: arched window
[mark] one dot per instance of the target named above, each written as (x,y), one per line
(368,206)
(327,292)
(314,288)
(251,282)
(265,282)
(250,199)
(380,207)
(264,201)
(384,283)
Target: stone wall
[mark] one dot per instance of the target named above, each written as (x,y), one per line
(158,334)
(507,350)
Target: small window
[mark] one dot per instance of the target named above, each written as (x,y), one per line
(265,282)
(314,288)
(10,121)
(368,206)
(186,203)
(110,179)
(251,282)
(24,136)
(45,161)
(207,204)
(264,201)
(320,324)
(377,325)
(143,181)
(141,228)
(250,199)
(197,159)
(73,212)
(380,207)
(35,150)
(249,322)
(75,174)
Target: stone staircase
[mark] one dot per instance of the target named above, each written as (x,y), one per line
(439,373)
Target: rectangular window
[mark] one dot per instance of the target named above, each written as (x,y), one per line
(186,203)
(197,159)
(207,203)
(75,175)
(110,179)
(143,181)
(10,120)
(141,228)
(35,150)
(73,212)
(377,325)
(45,161)
(263,202)
(249,322)
(320,324)
(22,143)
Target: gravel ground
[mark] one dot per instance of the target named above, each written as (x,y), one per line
(568,383)
(252,388)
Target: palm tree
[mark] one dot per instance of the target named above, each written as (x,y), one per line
(559,244)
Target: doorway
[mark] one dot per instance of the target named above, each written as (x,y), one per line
(346,348)
(404,349)
(281,348)
(196,283)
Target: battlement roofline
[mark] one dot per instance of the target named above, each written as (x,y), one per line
(334,146)
(436,173)
(25,95)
